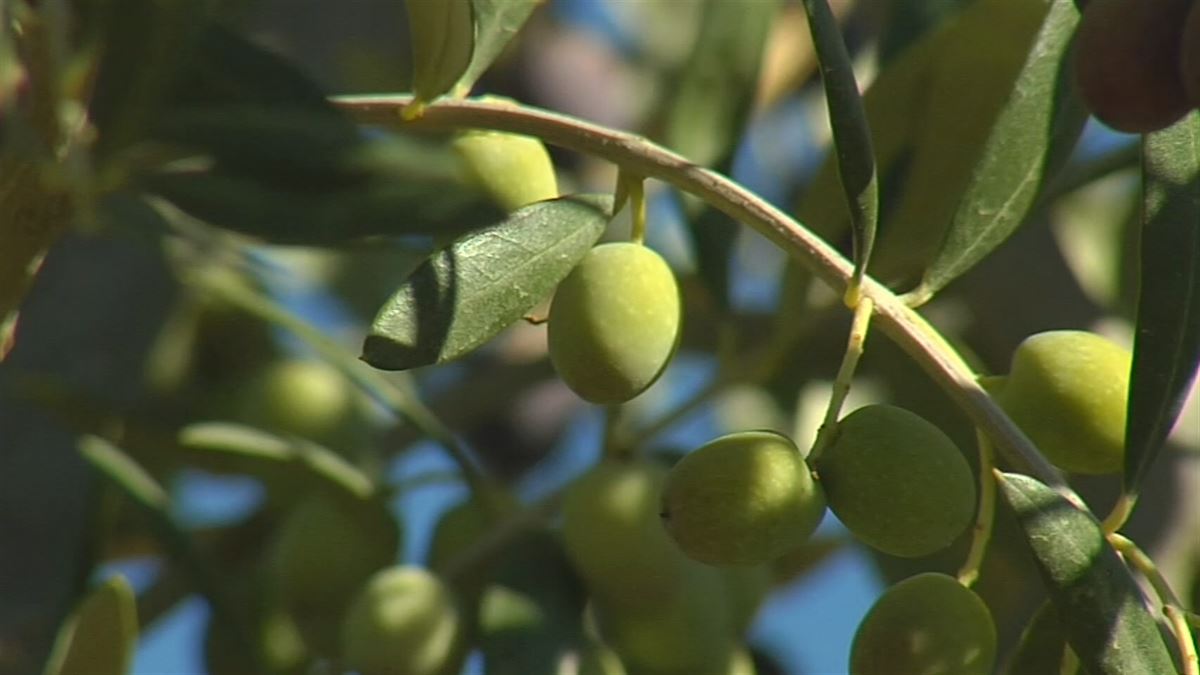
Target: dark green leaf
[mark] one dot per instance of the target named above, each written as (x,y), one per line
(100,636)
(1101,606)
(906,21)
(230,70)
(467,293)
(716,88)
(851,134)
(325,188)
(1166,348)
(143,45)
(1042,646)
(1033,134)
(496,23)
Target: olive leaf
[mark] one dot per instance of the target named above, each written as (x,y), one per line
(465,294)
(496,22)
(1042,646)
(1029,142)
(443,41)
(100,636)
(1166,348)
(1102,609)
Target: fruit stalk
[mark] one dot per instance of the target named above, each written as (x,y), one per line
(1171,606)
(984,516)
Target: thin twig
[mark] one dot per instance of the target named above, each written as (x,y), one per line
(1171,607)
(985,515)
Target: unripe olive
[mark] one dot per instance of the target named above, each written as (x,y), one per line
(1067,390)
(928,624)
(742,499)
(897,482)
(1127,62)
(514,170)
(462,527)
(328,547)
(300,397)
(614,322)
(403,622)
(612,534)
(689,634)
(1189,55)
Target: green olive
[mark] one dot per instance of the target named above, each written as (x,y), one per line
(300,397)
(613,537)
(742,499)
(614,322)
(897,482)
(1127,62)
(327,547)
(928,624)
(403,622)
(1067,390)
(514,170)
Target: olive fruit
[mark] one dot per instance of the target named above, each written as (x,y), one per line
(327,547)
(742,499)
(614,322)
(300,397)
(613,537)
(1127,56)
(1067,390)
(403,622)
(928,624)
(1189,55)
(514,170)
(896,481)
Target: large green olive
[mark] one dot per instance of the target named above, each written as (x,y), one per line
(742,499)
(404,622)
(614,322)
(327,547)
(514,170)
(1067,390)
(897,482)
(1127,62)
(928,624)
(612,534)
(300,397)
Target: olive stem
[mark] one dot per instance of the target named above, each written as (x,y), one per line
(637,210)
(1116,518)
(845,375)
(1172,608)
(985,515)
(910,331)
(399,398)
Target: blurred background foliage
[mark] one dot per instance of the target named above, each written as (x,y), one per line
(157,326)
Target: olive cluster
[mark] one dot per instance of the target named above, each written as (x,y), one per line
(1137,62)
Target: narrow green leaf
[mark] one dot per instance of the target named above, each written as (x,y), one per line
(851,133)
(496,23)
(100,636)
(708,110)
(442,33)
(1166,348)
(982,52)
(1033,134)
(1101,606)
(236,447)
(127,474)
(1042,646)
(467,293)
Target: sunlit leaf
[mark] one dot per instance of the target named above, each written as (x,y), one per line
(1166,348)
(100,636)
(496,23)
(467,293)
(983,50)
(1101,606)
(1033,134)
